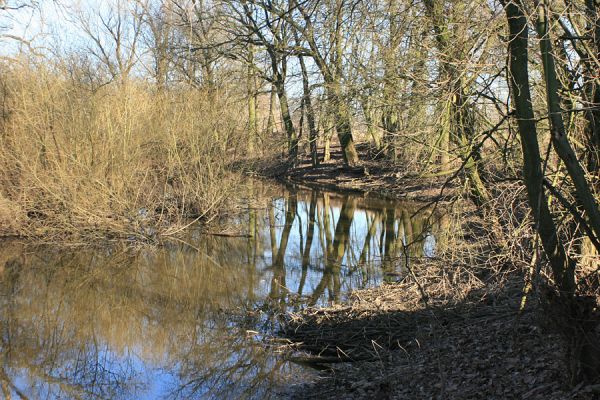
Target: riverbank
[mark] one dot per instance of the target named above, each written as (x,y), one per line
(374,176)
(387,343)
(457,326)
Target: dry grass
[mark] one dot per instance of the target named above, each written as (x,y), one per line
(75,162)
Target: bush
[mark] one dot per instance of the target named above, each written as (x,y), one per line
(119,159)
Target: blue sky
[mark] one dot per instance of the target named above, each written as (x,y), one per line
(50,24)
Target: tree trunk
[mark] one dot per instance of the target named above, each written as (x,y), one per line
(592,92)
(288,123)
(328,128)
(462,129)
(279,67)
(370,121)
(271,119)
(251,93)
(563,268)
(310,114)
(332,75)
(343,125)
(390,118)
(560,141)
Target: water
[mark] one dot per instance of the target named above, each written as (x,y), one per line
(187,319)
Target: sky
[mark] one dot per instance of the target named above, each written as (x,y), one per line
(47,25)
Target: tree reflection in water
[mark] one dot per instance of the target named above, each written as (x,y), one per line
(180,321)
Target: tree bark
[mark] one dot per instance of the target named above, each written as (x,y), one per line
(251,93)
(592,92)
(310,114)
(563,268)
(462,128)
(560,141)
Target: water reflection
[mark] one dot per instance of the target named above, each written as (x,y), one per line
(173,321)
(130,324)
(322,245)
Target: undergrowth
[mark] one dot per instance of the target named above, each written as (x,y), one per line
(120,160)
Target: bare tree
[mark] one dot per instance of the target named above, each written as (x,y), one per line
(114,33)
(201,49)
(325,43)
(158,19)
(9,9)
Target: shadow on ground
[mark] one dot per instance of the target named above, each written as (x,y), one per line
(387,343)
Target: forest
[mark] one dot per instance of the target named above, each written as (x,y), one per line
(139,122)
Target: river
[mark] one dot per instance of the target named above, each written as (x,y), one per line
(189,318)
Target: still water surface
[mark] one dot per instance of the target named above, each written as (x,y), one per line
(187,319)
